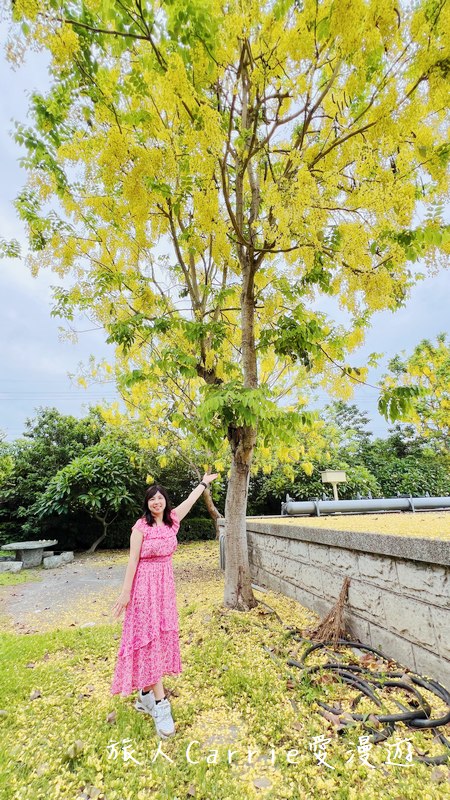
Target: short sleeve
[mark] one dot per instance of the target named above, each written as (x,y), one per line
(175,521)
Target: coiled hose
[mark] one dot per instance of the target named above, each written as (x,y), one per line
(352,674)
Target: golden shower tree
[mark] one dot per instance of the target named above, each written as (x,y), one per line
(207,171)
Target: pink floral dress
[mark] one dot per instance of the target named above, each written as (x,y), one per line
(149,647)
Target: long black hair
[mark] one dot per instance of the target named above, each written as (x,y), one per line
(151,491)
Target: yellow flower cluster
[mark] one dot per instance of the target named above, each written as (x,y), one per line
(63,44)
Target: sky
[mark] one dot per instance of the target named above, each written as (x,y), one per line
(35,360)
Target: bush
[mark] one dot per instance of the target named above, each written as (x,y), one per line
(119,532)
(411,475)
(194,529)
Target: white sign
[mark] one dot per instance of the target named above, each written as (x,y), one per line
(333,476)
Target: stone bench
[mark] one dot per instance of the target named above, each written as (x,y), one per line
(29,553)
(10,566)
(56,561)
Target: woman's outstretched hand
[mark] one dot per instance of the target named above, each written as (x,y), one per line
(209,478)
(120,604)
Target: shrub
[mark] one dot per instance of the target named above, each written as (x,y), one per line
(196,528)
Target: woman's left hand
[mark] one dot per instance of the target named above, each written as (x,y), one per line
(209,478)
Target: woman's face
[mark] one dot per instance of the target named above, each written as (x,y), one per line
(157,503)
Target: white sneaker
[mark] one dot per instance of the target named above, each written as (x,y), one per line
(163,719)
(145,702)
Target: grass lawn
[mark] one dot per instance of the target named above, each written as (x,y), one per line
(12,578)
(65,736)
(422,524)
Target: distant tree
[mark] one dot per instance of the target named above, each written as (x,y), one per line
(427,368)
(6,464)
(50,441)
(351,423)
(63,433)
(53,442)
(104,482)
(176,460)
(402,467)
(340,442)
(403,441)
(401,463)
(267,492)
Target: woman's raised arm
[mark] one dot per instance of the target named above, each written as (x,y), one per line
(187,504)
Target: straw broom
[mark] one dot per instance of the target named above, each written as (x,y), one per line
(332,627)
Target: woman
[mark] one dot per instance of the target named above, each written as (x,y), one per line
(149,646)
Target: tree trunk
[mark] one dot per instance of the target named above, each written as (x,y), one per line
(213,512)
(94,546)
(238,584)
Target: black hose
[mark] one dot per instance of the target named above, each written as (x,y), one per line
(417,718)
(431,686)
(440,759)
(358,645)
(358,683)
(402,685)
(380,736)
(442,738)
(408,715)
(331,709)
(440,689)
(432,760)
(430,723)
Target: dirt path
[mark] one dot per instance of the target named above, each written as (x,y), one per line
(83,592)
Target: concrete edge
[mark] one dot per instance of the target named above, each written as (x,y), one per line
(413,548)
(432,551)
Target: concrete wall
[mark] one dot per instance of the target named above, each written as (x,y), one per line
(399,594)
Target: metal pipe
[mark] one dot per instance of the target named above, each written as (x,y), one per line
(318,507)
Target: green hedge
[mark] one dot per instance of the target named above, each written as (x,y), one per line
(192,529)
(196,528)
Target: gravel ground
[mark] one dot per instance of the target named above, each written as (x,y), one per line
(71,589)
(83,592)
